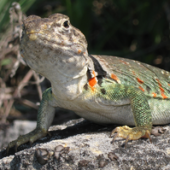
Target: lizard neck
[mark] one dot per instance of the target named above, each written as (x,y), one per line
(67,74)
(69,90)
(71,77)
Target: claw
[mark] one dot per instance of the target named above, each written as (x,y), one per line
(127,139)
(147,135)
(117,135)
(114,138)
(131,133)
(30,137)
(113,132)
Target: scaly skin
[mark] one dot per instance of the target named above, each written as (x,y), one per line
(103,89)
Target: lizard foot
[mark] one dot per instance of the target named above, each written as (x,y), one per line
(30,137)
(131,133)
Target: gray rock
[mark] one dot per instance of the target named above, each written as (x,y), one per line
(82,145)
(18,128)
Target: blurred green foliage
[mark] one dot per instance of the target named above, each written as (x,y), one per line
(5,62)
(133,29)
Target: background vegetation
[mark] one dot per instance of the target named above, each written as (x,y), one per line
(133,29)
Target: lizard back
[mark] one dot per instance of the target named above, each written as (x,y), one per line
(154,82)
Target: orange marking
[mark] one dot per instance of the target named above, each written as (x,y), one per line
(164,96)
(79,51)
(154,94)
(114,77)
(139,80)
(93,81)
(160,85)
(161,89)
(94,74)
(168,84)
(141,88)
(124,62)
(133,73)
(22,56)
(159,82)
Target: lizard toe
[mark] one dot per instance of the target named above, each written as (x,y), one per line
(128,133)
(30,137)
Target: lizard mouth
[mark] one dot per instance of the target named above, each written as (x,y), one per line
(43,37)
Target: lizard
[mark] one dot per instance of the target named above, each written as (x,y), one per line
(103,89)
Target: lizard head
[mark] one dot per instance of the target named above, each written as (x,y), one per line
(53,46)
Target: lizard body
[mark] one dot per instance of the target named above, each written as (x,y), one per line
(103,89)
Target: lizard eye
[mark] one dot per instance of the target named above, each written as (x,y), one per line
(66,24)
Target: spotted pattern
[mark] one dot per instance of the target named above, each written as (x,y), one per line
(52,33)
(152,81)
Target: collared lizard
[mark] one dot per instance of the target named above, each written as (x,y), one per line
(102,89)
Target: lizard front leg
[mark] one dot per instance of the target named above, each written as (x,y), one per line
(44,120)
(140,108)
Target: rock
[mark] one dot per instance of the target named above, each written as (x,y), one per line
(12,132)
(82,145)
